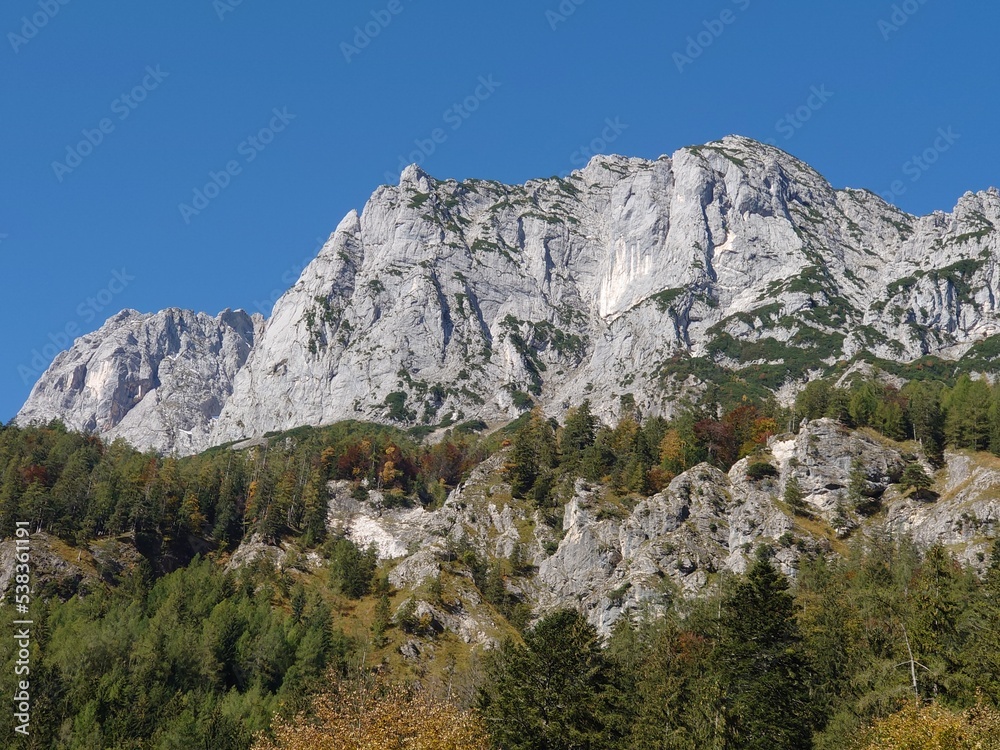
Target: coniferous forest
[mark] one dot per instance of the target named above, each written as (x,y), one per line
(168,641)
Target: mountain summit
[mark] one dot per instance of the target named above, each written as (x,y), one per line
(626,283)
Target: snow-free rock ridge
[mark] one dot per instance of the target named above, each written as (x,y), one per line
(156,380)
(445,301)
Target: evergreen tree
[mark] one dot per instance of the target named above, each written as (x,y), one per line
(671,696)
(940,591)
(532,455)
(314,510)
(889,419)
(351,570)
(925,418)
(381,620)
(794,496)
(555,692)
(760,664)
(857,489)
(914,477)
(981,623)
(579,432)
(967,414)
(812,401)
(864,403)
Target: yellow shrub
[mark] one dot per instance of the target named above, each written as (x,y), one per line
(378,718)
(932,727)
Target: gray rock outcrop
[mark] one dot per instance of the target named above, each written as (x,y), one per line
(609,559)
(156,380)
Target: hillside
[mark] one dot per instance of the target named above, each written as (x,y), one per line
(247,578)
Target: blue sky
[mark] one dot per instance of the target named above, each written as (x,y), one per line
(114,114)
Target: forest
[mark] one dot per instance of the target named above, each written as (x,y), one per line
(887,645)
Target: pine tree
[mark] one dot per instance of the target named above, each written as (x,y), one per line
(967,414)
(914,477)
(794,496)
(351,570)
(532,455)
(980,623)
(760,663)
(940,591)
(670,694)
(578,433)
(812,401)
(926,418)
(864,403)
(314,510)
(857,489)
(381,620)
(554,693)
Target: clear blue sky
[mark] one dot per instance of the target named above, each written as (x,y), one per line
(220,69)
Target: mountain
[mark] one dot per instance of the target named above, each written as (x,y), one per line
(155,380)
(628,283)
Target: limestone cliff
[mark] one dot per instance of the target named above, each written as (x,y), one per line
(447,300)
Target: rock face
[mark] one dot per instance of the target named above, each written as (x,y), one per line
(444,301)
(963,517)
(609,559)
(156,380)
(58,570)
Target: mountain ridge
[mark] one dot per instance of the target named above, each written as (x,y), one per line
(630,283)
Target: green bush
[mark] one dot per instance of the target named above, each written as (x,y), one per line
(760,470)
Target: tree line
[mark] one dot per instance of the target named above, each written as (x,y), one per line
(78,488)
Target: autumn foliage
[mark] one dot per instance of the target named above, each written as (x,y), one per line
(933,727)
(378,717)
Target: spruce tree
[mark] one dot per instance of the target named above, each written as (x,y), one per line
(532,455)
(760,664)
(794,497)
(926,420)
(967,421)
(981,622)
(556,692)
(578,433)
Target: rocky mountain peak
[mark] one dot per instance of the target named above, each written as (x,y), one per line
(155,379)
(628,282)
